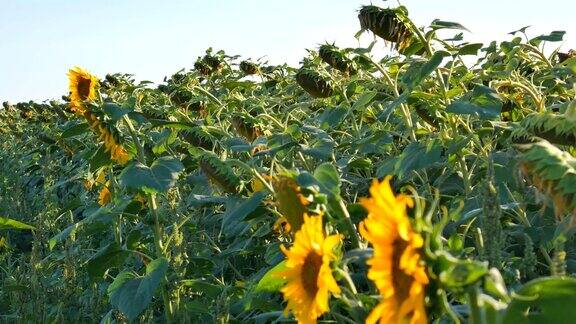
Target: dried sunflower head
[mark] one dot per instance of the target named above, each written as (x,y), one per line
(219,172)
(317,85)
(249,68)
(203,68)
(247,127)
(332,56)
(390,24)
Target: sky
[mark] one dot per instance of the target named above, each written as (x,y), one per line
(41,39)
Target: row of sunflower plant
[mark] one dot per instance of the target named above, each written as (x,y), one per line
(429,184)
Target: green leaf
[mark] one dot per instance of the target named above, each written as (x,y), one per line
(441,24)
(458,274)
(521,30)
(364,100)
(236,211)
(328,178)
(470,49)
(418,72)
(132,294)
(332,117)
(112,255)
(96,219)
(544,300)
(75,130)
(272,281)
(100,158)
(202,286)
(482,102)
(8,223)
(417,156)
(555,36)
(160,177)
(114,111)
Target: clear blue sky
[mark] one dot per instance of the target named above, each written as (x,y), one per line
(41,39)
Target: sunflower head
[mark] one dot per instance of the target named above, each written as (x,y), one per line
(214,62)
(246,126)
(332,56)
(249,68)
(83,85)
(290,200)
(390,24)
(200,106)
(105,195)
(317,85)
(203,68)
(396,267)
(219,172)
(198,137)
(309,279)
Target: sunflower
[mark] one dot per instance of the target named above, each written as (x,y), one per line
(105,195)
(106,134)
(396,267)
(290,201)
(308,275)
(82,88)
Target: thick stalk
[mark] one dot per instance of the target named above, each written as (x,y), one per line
(154,210)
(475,314)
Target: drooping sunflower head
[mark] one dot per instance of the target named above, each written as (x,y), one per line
(249,68)
(390,24)
(199,137)
(247,127)
(332,56)
(82,85)
(219,172)
(105,195)
(316,84)
(202,67)
(396,267)
(181,97)
(290,200)
(309,279)
(551,170)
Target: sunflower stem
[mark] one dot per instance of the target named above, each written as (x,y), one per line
(394,86)
(157,230)
(475,314)
(349,225)
(348,280)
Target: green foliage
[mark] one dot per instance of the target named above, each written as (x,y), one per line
(157,178)
(131,293)
(229,155)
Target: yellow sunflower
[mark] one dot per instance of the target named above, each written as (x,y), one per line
(82,88)
(105,195)
(308,275)
(396,267)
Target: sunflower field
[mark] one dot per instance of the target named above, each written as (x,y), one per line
(434,183)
